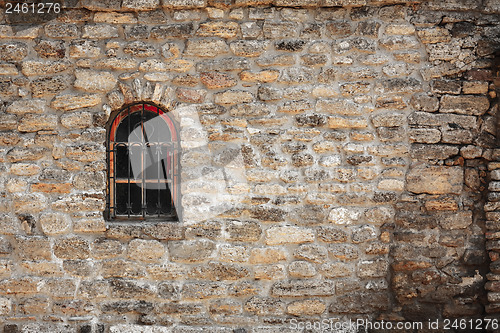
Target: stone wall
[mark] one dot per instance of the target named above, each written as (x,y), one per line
(337,158)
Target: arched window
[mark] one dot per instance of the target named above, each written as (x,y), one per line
(143,164)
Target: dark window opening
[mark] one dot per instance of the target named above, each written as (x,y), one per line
(143,164)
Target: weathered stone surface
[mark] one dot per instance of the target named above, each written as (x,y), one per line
(465,104)
(303,288)
(34,67)
(36,122)
(266,255)
(82,48)
(248,48)
(206,48)
(72,248)
(94,81)
(49,86)
(51,49)
(435,179)
(33,248)
(55,223)
(223,29)
(21,107)
(13,51)
(70,102)
(264,306)
(145,250)
(288,235)
(191,251)
(85,152)
(139,5)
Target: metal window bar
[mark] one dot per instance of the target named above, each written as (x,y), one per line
(169,177)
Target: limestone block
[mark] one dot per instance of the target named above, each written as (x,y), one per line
(72,248)
(435,179)
(288,235)
(301,288)
(223,29)
(306,308)
(145,250)
(36,122)
(206,48)
(55,223)
(13,51)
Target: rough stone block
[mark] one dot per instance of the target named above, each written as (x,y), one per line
(301,288)
(70,102)
(145,250)
(223,29)
(33,248)
(184,4)
(265,306)
(55,223)
(61,30)
(82,48)
(49,86)
(29,203)
(37,67)
(465,104)
(36,122)
(266,255)
(243,231)
(206,48)
(191,251)
(13,51)
(94,81)
(25,106)
(288,235)
(232,97)
(120,268)
(140,5)
(435,179)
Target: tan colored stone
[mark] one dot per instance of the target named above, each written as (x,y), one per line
(288,235)
(29,203)
(24,169)
(77,120)
(51,187)
(233,97)
(145,250)
(435,179)
(223,29)
(306,307)
(267,255)
(37,67)
(36,122)
(208,48)
(114,18)
(265,76)
(339,122)
(94,81)
(55,223)
(69,102)
(16,185)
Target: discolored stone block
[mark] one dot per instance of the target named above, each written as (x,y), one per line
(435,179)
(13,51)
(72,248)
(191,251)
